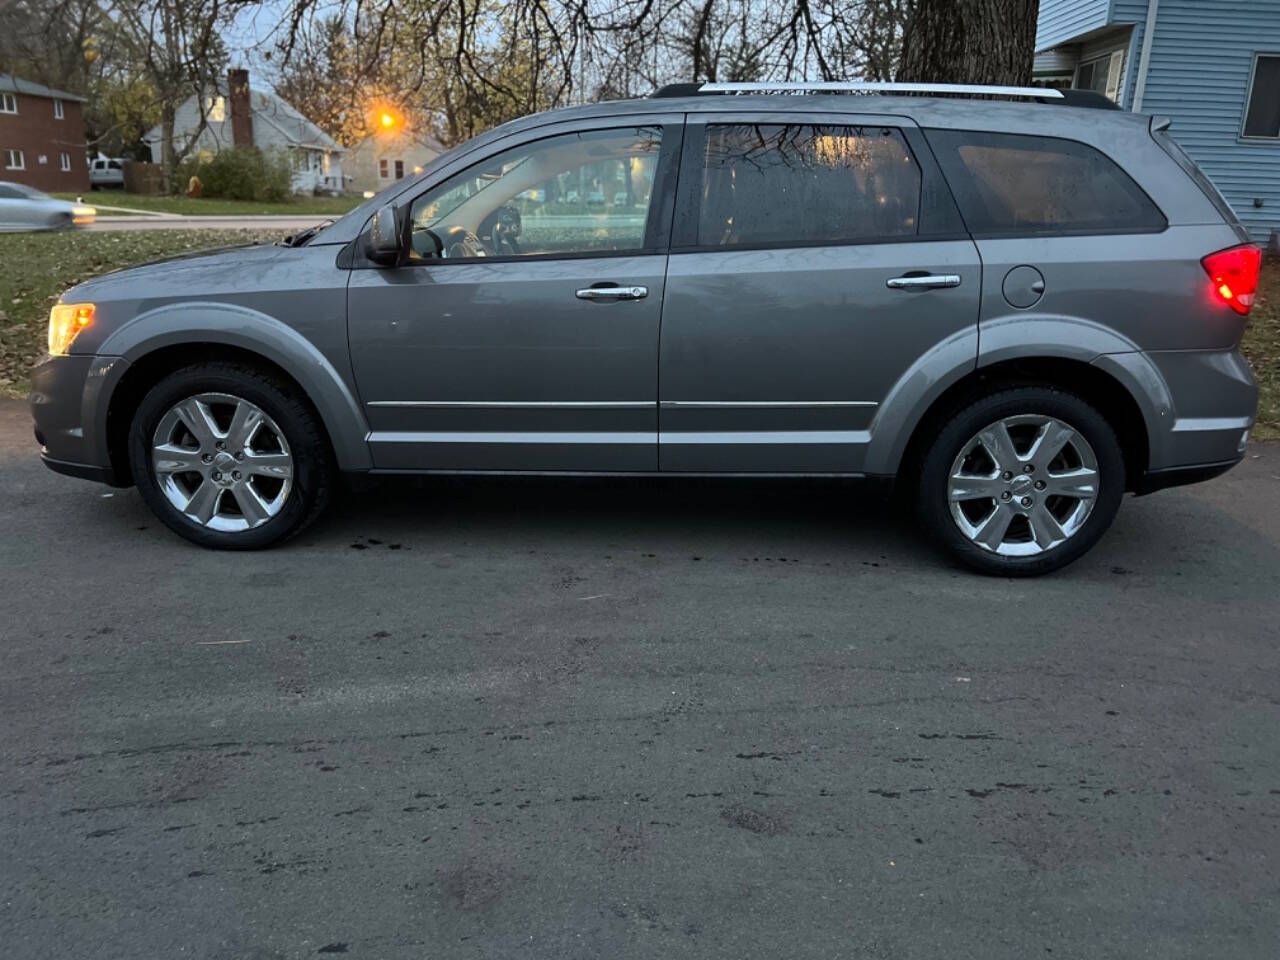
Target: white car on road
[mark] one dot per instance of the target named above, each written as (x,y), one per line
(26,208)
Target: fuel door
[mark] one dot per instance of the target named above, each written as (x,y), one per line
(1023,286)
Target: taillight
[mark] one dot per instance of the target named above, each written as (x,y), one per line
(1233,275)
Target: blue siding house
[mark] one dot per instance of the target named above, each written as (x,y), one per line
(1211,66)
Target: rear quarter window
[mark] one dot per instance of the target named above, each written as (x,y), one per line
(1020,185)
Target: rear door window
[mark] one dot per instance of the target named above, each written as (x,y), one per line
(1015,185)
(805,185)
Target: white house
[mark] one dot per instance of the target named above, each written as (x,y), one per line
(381,159)
(241,115)
(1212,67)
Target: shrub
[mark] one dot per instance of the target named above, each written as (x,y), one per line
(242,173)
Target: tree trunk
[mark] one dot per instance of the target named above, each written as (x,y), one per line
(168,152)
(970,41)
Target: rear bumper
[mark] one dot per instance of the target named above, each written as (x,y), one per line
(1215,401)
(1154,480)
(1198,405)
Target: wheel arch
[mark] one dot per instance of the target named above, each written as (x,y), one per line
(159,342)
(1099,387)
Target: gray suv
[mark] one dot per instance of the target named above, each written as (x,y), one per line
(1016,304)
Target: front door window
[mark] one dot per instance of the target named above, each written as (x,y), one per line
(571,194)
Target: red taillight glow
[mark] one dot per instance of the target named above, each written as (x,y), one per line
(1234,275)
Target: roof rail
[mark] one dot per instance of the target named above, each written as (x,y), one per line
(967,89)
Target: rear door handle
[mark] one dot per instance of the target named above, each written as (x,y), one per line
(612,293)
(927,282)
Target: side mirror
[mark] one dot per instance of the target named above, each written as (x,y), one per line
(384,244)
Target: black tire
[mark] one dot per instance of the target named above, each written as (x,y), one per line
(934,508)
(313,477)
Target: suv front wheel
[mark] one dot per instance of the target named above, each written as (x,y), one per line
(1022,482)
(229,457)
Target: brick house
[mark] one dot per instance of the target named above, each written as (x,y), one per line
(42,141)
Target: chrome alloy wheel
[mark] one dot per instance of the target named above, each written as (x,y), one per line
(1023,485)
(222,462)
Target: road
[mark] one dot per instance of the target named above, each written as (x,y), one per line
(634,719)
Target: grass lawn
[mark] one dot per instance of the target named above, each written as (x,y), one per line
(209,207)
(38,267)
(1262,347)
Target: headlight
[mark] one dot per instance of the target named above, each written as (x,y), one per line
(65,321)
(82,215)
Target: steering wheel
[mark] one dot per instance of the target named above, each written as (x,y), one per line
(502,229)
(459,243)
(506,229)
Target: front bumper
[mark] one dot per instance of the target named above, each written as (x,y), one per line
(69,406)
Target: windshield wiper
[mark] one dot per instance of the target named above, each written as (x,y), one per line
(298,239)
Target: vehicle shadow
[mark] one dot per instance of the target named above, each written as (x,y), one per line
(774,514)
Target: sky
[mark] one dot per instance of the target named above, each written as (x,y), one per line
(255,33)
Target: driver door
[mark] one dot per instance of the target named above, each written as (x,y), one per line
(520,330)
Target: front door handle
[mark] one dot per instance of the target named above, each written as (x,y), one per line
(612,293)
(924,282)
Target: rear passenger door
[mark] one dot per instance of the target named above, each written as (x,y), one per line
(815,259)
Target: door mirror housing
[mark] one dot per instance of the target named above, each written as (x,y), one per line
(384,244)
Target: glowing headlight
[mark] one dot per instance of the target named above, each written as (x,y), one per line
(66,320)
(82,215)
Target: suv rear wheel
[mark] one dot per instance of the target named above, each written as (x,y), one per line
(1022,482)
(228,457)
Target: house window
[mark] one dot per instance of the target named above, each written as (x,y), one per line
(382,168)
(1102,75)
(1262,112)
(399,169)
(8,103)
(57,109)
(64,162)
(216,109)
(13,160)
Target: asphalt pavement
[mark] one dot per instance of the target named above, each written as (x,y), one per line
(560,719)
